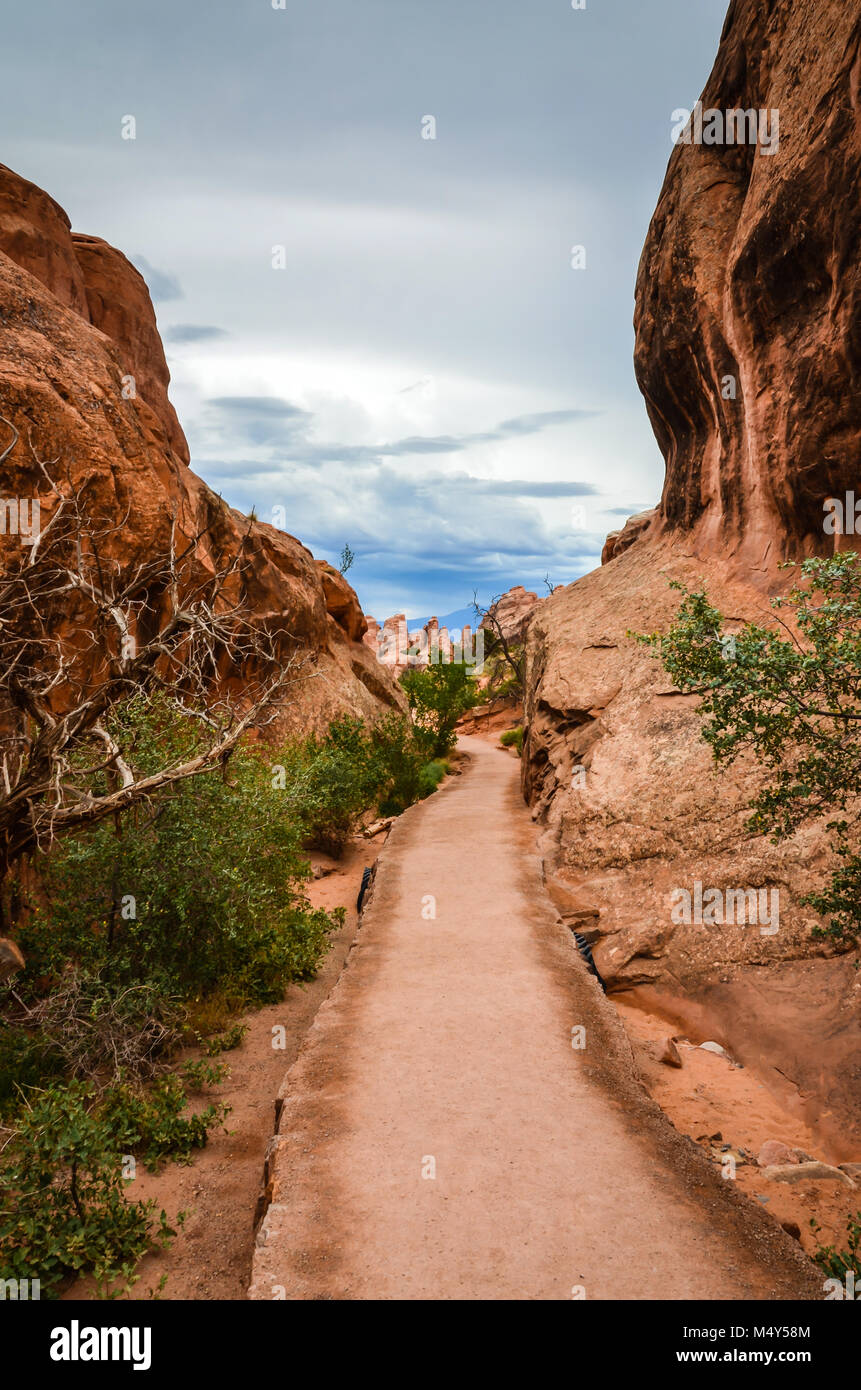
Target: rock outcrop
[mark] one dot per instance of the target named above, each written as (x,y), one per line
(511,612)
(77,324)
(399,649)
(748,353)
(748,309)
(618,541)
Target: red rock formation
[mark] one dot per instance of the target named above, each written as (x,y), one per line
(513,610)
(77,320)
(751,272)
(120,306)
(341,602)
(634,528)
(36,233)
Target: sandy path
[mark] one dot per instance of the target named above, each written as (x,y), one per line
(446,1048)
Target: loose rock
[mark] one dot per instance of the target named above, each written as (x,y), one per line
(670,1055)
(807,1172)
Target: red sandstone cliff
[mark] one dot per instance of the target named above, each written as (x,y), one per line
(751,270)
(77,324)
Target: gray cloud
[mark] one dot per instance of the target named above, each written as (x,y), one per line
(259,405)
(271,420)
(193,333)
(160,284)
(444,534)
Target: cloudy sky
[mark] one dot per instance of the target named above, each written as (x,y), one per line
(377,338)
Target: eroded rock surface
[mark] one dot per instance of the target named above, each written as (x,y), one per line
(748,353)
(749,292)
(77,322)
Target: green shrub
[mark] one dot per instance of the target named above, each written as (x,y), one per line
(27,1059)
(838,1263)
(513,738)
(431,775)
(226,1041)
(201,891)
(333,781)
(439,695)
(400,762)
(795,703)
(63,1210)
(152,1122)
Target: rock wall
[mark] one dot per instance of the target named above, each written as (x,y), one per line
(751,276)
(77,323)
(748,306)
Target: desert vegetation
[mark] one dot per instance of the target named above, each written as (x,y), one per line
(789,691)
(132,957)
(154,866)
(439,695)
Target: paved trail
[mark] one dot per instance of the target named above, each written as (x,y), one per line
(446,1049)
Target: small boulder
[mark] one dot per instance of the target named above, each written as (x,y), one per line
(670,1055)
(807,1172)
(713,1047)
(773,1153)
(792,1229)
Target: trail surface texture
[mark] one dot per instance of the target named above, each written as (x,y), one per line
(439,1137)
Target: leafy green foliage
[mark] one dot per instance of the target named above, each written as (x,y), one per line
(149,932)
(152,1122)
(63,1210)
(439,695)
(795,702)
(838,1263)
(331,783)
(201,890)
(226,1041)
(402,769)
(334,780)
(27,1059)
(513,738)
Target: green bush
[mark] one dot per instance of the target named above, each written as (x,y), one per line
(794,702)
(333,781)
(149,932)
(838,1263)
(27,1058)
(198,892)
(431,775)
(403,771)
(513,738)
(152,1122)
(439,695)
(63,1210)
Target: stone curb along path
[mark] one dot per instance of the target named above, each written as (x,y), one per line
(439,1136)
